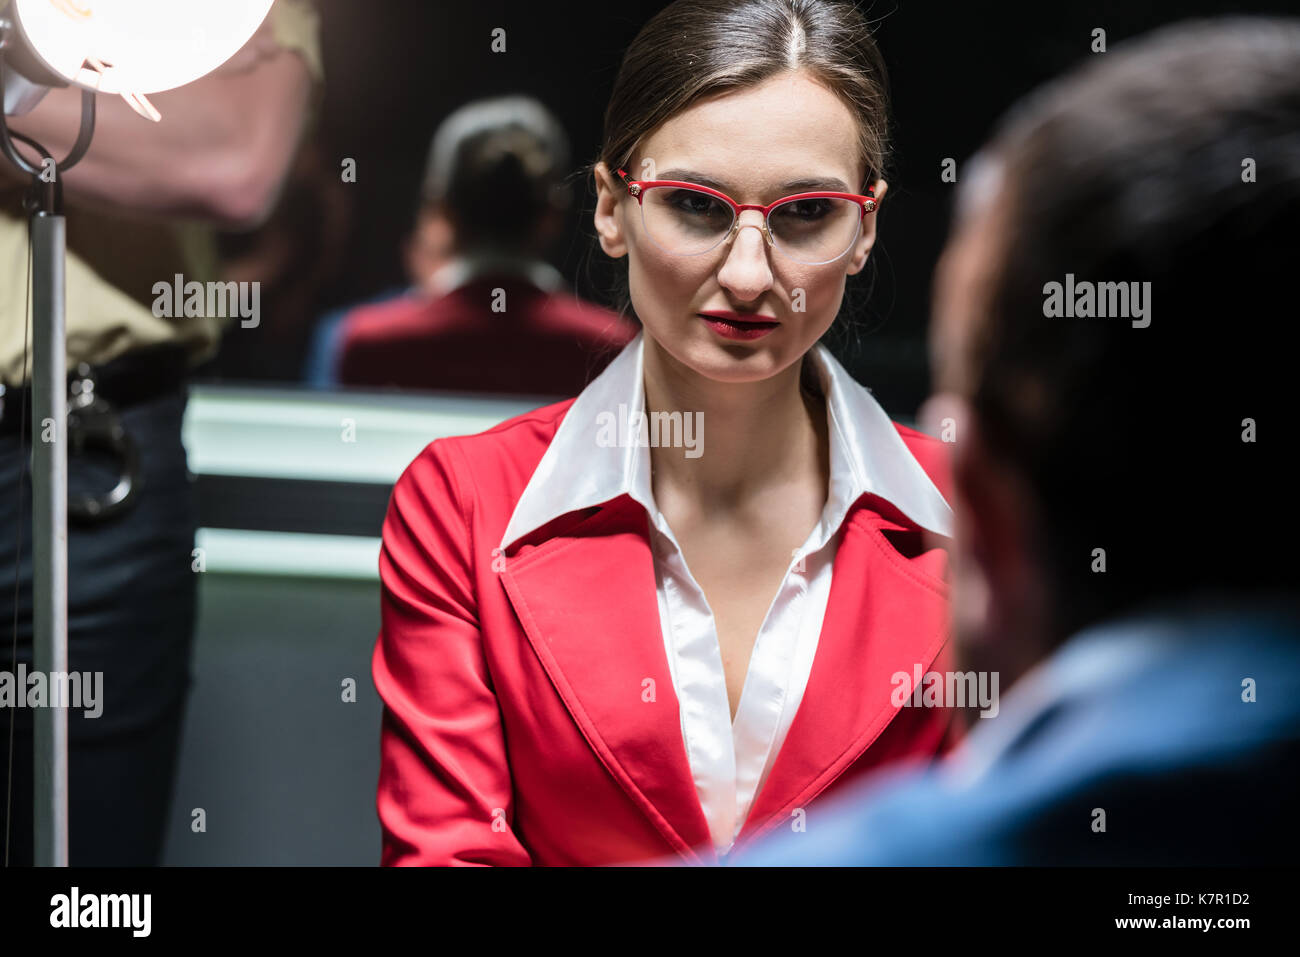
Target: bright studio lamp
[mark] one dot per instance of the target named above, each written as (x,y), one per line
(130,48)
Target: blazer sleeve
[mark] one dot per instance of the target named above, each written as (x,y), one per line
(445,794)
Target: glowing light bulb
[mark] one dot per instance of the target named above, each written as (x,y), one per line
(135,47)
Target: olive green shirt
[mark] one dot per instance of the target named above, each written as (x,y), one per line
(113,263)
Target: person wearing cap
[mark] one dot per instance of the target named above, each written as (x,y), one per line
(494,316)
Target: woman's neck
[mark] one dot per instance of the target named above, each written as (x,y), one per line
(756,436)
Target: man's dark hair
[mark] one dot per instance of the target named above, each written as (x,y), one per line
(498,165)
(1174,160)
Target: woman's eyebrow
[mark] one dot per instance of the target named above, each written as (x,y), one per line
(814,184)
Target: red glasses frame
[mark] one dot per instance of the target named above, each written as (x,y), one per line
(637,187)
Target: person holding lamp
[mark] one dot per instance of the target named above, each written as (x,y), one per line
(142,204)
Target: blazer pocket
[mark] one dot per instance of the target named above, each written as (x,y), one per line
(922,552)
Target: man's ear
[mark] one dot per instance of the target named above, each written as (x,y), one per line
(608,221)
(999,588)
(429,244)
(867,239)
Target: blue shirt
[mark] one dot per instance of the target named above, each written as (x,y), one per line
(1166,738)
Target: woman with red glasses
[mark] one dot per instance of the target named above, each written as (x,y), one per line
(663,618)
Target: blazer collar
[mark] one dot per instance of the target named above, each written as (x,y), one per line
(581,468)
(585,597)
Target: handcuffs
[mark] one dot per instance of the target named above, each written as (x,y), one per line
(93,423)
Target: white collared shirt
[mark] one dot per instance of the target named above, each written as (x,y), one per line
(582,467)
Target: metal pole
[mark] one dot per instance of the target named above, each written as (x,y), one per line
(49,464)
(50,528)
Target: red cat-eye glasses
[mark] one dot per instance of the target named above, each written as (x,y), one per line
(688,219)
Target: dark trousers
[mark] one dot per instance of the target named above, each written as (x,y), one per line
(131,609)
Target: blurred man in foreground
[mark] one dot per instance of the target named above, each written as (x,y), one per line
(1113,315)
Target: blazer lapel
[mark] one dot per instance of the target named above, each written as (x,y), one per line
(882,617)
(586,598)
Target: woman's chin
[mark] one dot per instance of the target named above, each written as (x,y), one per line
(737,361)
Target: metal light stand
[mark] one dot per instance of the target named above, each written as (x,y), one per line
(49,464)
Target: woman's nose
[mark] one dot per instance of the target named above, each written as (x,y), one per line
(746,271)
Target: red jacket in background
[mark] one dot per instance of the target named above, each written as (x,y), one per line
(543,343)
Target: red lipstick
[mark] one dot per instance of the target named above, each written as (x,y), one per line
(735,325)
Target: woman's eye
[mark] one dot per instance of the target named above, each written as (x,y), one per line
(805,209)
(692,202)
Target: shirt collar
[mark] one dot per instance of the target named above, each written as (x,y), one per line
(582,467)
(468,267)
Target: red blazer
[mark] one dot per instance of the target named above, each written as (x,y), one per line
(542,344)
(514,729)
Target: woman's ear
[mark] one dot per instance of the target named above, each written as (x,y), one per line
(608,222)
(867,239)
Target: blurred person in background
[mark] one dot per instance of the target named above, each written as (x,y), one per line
(492,317)
(1125,550)
(141,208)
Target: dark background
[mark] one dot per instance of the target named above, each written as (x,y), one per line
(395,68)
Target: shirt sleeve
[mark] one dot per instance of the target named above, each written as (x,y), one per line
(295,24)
(445,791)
